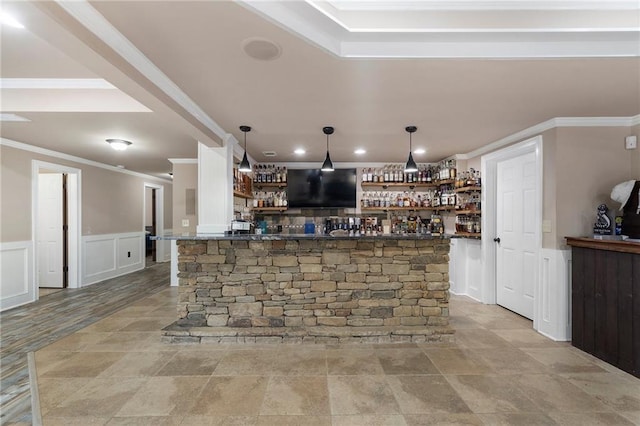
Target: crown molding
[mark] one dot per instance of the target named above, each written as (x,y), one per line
(55,154)
(56,83)
(552,124)
(183,160)
(476,5)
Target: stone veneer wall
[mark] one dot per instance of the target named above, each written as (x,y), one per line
(399,286)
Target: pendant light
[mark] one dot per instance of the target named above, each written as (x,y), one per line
(245,167)
(411,166)
(327,166)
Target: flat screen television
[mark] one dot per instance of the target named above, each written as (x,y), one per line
(313,188)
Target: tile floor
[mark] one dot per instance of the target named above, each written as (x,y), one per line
(499,372)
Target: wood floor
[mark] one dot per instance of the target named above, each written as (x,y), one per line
(34,326)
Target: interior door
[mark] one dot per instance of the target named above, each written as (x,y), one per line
(50,230)
(516,254)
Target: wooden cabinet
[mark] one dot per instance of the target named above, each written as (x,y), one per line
(605,301)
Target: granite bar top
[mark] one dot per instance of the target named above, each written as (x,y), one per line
(279,237)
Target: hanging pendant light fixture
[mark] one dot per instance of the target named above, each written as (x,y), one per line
(327,166)
(245,167)
(411,166)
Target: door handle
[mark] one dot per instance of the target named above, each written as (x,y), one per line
(497,240)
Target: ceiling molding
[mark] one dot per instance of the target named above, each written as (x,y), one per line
(183,160)
(84,13)
(552,124)
(482,5)
(320,23)
(62,156)
(13,117)
(56,83)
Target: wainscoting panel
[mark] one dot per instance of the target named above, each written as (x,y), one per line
(552,315)
(111,255)
(16,274)
(465,267)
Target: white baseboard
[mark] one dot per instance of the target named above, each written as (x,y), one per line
(111,255)
(552,316)
(17,285)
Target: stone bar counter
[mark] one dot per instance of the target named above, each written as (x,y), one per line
(311,288)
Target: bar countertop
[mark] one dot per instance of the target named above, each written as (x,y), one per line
(279,237)
(623,246)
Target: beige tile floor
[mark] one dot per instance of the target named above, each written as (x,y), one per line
(499,372)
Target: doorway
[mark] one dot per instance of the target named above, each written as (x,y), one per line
(153,219)
(56,224)
(150,224)
(512,200)
(52,226)
(516,252)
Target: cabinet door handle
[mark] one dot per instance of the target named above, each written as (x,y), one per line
(497,240)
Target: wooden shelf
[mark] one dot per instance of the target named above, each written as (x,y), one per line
(469,234)
(468,189)
(270,184)
(445,182)
(443,208)
(269,209)
(394,208)
(475,212)
(242,195)
(399,184)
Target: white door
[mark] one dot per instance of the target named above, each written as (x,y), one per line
(50,233)
(516,234)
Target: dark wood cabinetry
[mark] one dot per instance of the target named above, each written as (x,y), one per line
(605,300)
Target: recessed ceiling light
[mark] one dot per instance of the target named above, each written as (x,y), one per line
(261,49)
(420,151)
(118,144)
(12,117)
(7,19)
(300,151)
(359,151)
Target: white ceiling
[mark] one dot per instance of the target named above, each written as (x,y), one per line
(180,75)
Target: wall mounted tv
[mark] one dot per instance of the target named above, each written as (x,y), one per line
(313,188)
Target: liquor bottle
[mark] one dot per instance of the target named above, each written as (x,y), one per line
(284,175)
(429,176)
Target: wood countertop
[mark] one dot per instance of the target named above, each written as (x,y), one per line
(609,245)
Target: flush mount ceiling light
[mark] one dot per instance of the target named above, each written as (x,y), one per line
(411,166)
(299,151)
(261,49)
(359,151)
(327,166)
(244,166)
(119,144)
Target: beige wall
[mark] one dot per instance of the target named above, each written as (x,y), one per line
(589,163)
(185,177)
(112,202)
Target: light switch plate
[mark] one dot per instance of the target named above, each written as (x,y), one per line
(546,226)
(630,142)
(185,222)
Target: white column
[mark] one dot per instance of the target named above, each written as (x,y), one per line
(215,188)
